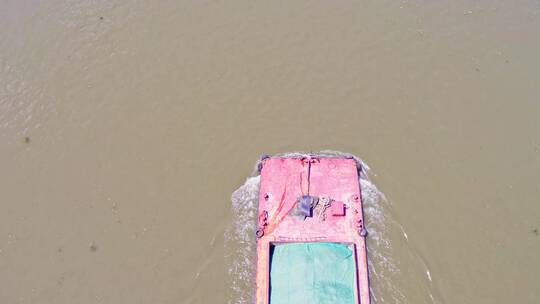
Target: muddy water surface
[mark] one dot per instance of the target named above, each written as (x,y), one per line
(126,125)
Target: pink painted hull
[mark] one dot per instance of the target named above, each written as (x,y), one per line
(283,180)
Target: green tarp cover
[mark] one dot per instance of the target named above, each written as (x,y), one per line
(314,273)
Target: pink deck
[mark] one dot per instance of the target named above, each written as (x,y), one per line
(283,180)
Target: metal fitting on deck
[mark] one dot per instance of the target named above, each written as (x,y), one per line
(363,232)
(260,162)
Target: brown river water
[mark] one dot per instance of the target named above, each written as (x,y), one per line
(126,127)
